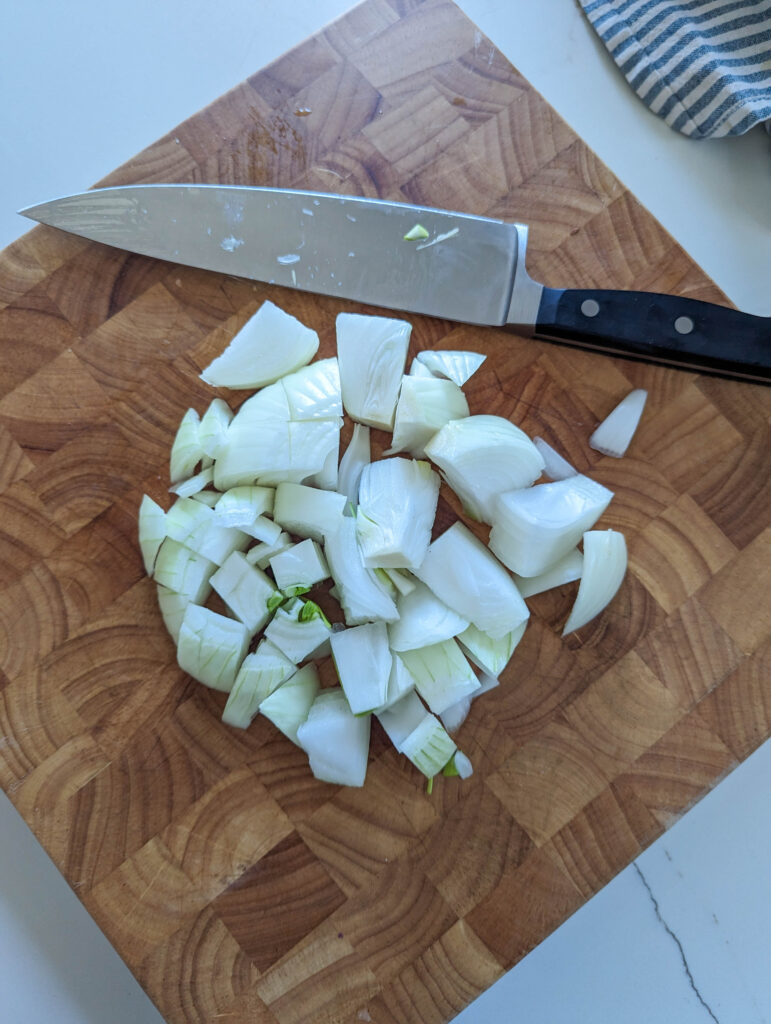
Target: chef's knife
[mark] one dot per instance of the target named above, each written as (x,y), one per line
(460,267)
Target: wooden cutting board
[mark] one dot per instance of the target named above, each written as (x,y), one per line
(234,885)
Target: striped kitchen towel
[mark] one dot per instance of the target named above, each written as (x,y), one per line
(702,65)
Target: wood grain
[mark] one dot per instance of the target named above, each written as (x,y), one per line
(235,885)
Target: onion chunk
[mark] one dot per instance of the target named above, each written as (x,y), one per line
(211,647)
(483,456)
(335,740)
(271,344)
(397,505)
(372,351)
(468,578)
(536,527)
(616,431)
(605,560)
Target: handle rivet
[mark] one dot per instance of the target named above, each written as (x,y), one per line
(590,307)
(684,325)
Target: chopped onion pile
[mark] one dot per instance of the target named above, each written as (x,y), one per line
(270,520)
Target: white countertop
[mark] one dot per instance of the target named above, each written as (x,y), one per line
(682,934)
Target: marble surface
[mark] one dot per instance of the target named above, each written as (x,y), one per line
(682,934)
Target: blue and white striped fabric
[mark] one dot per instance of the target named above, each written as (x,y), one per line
(704,66)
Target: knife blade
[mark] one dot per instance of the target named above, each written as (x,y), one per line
(464,268)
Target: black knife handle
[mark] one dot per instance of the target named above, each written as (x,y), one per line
(662,328)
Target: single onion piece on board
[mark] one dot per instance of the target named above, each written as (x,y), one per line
(372,351)
(616,431)
(482,456)
(537,526)
(289,705)
(335,740)
(186,451)
(463,574)
(397,505)
(211,647)
(271,344)
(605,561)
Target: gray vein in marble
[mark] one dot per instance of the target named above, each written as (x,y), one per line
(675,939)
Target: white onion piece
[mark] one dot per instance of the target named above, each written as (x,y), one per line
(402,717)
(259,675)
(326,478)
(616,431)
(265,445)
(195,525)
(355,458)
(298,629)
(486,683)
(455,715)
(536,527)
(372,351)
(491,656)
(261,554)
(423,620)
(362,596)
(300,565)
(184,571)
(462,765)
(442,674)
(240,506)
(335,740)
(253,451)
(566,570)
(313,393)
(482,456)
(310,444)
(194,484)
(290,703)
(264,529)
(214,427)
(400,683)
(425,405)
(209,498)
(605,562)
(271,344)
(152,530)
(455,366)
(363,664)
(418,369)
(402,580)
(186,451)
(172,606)
(308,511)
(429,746)
(554,465)
(245,590)
(463,574)
(397,505)
(211,647)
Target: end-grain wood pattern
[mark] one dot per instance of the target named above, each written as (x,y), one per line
(235,885)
